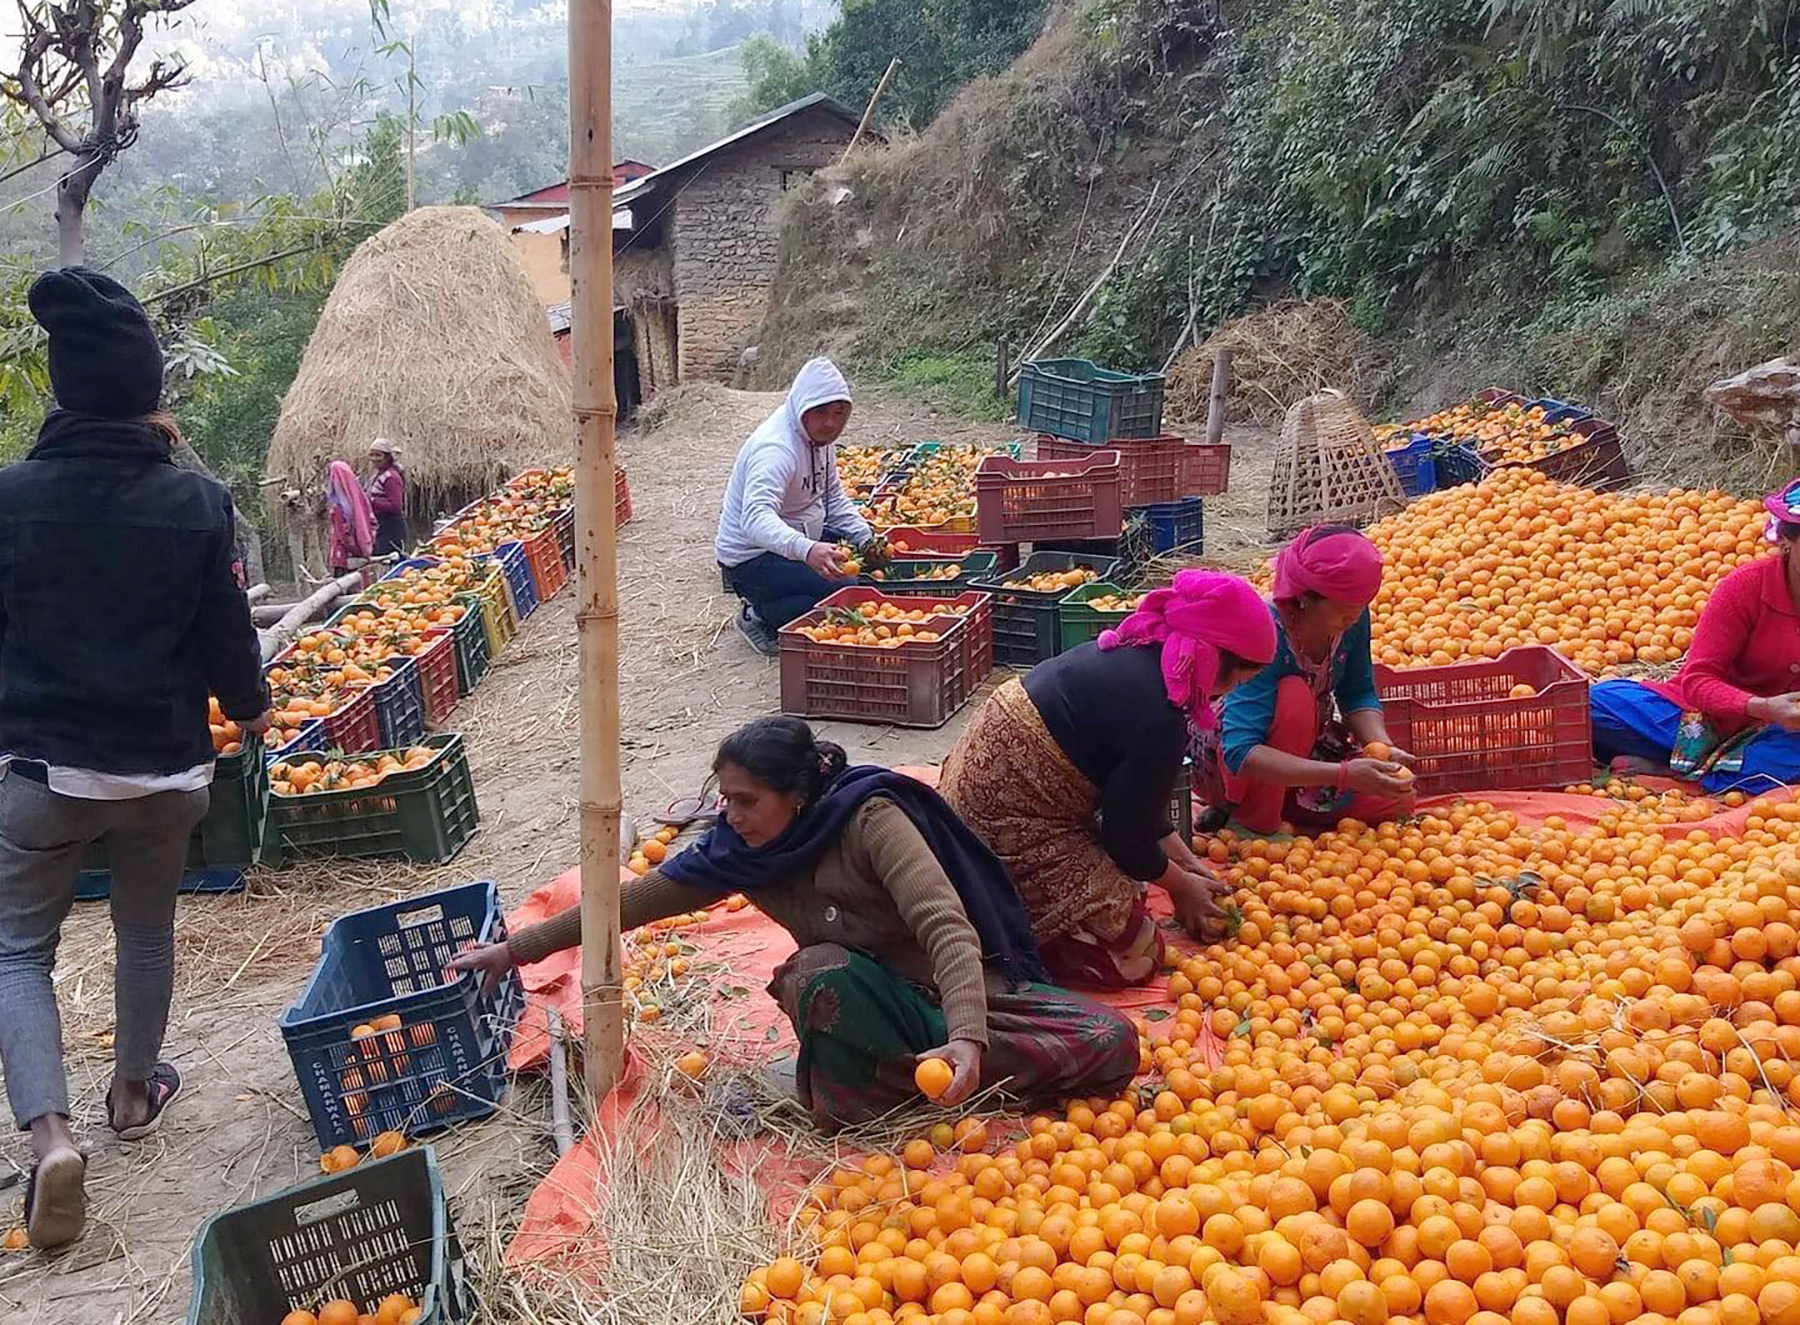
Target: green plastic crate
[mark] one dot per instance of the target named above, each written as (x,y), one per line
(906,576)
(1080,623)
(425,816)
(382,1227)
(471,637)
(1080,400)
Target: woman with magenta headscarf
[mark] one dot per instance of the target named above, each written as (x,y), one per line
(1067,774)
(1296,742)
(352,518)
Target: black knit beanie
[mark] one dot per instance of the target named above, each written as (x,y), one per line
(104,356)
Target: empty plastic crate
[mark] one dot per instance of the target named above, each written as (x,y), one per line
(915,685)
(447,1059)
(1026,501)
(1027,627)
(1208,469)
(1470,731)
(382,1227)
(399,704)
(1176,524)
(1078,399)
(426,815)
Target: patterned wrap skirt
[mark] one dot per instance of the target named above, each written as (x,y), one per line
(862,1027)
(1011,782)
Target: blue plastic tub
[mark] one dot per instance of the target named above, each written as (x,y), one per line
(1414,466)
(400,705)
(447,1060)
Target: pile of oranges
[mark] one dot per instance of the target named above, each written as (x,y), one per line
(866,466)
(1053,581)
(394,1309)
(1512,432)
(1115,602)
(1518,558)
(307,777)
(510,515)
(938,487)
(1461,1071)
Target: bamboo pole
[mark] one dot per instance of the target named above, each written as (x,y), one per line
(868,115)
(596,548)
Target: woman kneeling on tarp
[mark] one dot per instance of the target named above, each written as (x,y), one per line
(1731,716)
(913,941)
(1281,755)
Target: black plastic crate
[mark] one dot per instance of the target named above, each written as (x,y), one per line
(1078,399)
(427,815)
(382,1227)
(1027,625)
(400,704)
(383,1039)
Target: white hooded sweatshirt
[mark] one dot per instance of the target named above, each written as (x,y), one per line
(785,492)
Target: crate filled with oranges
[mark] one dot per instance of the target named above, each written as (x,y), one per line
(373,1244)
(866,656)
(414,804)
(384,1038)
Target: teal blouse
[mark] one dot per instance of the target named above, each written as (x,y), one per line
(1248,710)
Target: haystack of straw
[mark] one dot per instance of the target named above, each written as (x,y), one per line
(433,339)
(1279,355)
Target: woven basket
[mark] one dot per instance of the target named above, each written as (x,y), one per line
(1329,469)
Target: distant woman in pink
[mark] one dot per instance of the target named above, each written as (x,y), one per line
(352,521)
(1730,718)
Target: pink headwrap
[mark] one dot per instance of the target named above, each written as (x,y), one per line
(1335,563)
(1201,613)
(345,496)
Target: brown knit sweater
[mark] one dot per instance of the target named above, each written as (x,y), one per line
(877,889)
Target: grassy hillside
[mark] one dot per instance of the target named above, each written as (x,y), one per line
(1540,190)
(664,109)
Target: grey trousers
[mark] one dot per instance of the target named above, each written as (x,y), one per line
(43,839)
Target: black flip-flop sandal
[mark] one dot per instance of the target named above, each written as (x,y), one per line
(56,1200)
(163,1086)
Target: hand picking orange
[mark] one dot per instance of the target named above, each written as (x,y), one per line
(933,1077)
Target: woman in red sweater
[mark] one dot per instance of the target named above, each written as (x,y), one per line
(1730,718)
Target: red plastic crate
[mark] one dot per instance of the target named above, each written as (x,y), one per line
(621,499)
(930,544)
(1025,501)
(1208,470)
(356,727)
(1151,469)
(916,685)
(438,678)
(1599,462)
(1471,735)
(543,554)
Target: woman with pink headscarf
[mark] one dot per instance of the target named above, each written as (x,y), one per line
(1292,742)
(1068,772)
(352,519)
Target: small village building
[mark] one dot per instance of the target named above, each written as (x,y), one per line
(694,246)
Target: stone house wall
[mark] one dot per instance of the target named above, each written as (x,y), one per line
(724,237)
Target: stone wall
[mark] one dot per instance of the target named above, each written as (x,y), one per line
(724,237)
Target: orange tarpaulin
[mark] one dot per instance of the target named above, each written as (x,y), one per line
(559,1216)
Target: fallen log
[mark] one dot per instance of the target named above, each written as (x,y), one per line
(276,637)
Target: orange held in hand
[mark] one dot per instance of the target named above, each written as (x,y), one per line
(933,1077)
(1378,750)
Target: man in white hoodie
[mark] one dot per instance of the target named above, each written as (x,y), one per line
(786,513)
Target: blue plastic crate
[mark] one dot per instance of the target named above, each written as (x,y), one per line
(1175,524)
(411,563)
(382,1227)
(1414,467)
(517,566)
(1080,400)
(311,737)
(1560,411)
(1458,463)
(447,1060)
(400,705)
(96,885)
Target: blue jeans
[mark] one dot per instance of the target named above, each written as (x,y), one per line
(1633,720)
(780,588)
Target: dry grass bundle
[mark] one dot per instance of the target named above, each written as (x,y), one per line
(433,339)
(1278,354)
